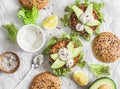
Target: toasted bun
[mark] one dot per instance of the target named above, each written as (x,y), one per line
(5,64)
(28,4)
(106,47)
(74,20)
(46,80)
(61,44)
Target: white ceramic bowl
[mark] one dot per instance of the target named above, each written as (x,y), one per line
(30,38)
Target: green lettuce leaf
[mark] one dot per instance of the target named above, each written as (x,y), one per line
(51,42)
(99,69)
(28,16)
(97,7)
(62,71)
(12,31)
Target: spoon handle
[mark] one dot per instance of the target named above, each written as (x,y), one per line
(17,86)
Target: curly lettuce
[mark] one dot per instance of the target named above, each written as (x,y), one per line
(99,69)
(28,16)
(12,31)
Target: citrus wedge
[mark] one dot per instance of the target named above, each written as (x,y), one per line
(50,22)
(80,78)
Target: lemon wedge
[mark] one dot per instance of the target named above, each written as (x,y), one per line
(50,22)
(80,77)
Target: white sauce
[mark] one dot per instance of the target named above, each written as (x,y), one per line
(86,17)
(9,62)
(79,27)
(65,55)
(30,38)
(70,63)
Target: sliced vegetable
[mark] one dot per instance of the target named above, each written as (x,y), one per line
(94,23)
(57,64)
(77,11)
(89,8)
(70,47)
(89,30)
(28,16)
(12,31)
(54,56)
(76,52)
(99,69)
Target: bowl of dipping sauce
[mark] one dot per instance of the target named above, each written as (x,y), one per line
(30,38)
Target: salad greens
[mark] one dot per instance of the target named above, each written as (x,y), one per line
(61,71)
(28,16)
(51,42)
(12,31)
(99,69)
(73,37)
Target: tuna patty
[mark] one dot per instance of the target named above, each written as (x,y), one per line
(74,20)
(62,44)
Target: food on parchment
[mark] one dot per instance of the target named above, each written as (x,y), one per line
(80,78)
(46,80)
(65,53)
(12,31)
(28,4)
(28,16)
(106,47)
(99,69)
(84,18)
(103,83)
(50,22)
(9,62)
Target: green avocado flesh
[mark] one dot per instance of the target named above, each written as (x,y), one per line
(54,56)
(77,11)
(76,52)
(89,8)
(70,47)
(88,30)
(57,64)
(94,23)
(103,81)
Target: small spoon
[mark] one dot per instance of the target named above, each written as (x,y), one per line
(36,62)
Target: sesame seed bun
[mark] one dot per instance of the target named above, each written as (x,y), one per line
(106,47)
(46,80)
(28,4)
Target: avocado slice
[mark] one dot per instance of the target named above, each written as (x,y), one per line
(54,56)
(57,64)
(88,30)
(76,52)
(94,23)
(89,8)
(103,83)
(70,47)
(77,11)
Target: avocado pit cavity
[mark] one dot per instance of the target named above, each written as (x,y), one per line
(104,86)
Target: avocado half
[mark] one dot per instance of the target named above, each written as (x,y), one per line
(103,83)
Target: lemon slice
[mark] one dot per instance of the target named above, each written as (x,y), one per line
(50,22)
(80,78)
